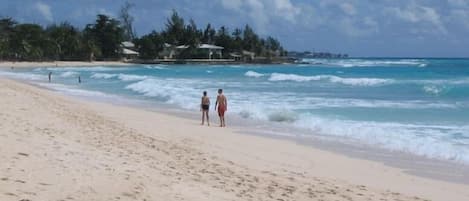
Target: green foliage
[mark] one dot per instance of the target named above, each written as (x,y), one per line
(7,26)
(102,39)
(177,33)
(29,42)
(106,34)
(175,28)
(67,41)
(150,45)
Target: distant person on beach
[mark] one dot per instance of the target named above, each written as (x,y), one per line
(204,107)
(79,79)
(222,107)
(50,76)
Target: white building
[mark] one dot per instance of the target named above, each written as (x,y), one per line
(170,51)
(212,49)
(128,50)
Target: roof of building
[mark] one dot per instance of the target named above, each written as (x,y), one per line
(201,46)
(182,47)
(208,46)
(235,55)
(128,44)
(248,53)
(129,52)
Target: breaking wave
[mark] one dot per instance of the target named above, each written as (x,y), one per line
(367,62)
(330,78)
(123,77)
(253,74)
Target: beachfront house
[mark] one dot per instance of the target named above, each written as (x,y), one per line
(236,56)
(212,50)
(248,56)
(171,51)
(128,51)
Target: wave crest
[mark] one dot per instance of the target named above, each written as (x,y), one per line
(253,74)
(123,77)
(348,63)
(330,78)
(69,74)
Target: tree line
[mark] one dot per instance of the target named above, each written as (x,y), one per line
(101,40)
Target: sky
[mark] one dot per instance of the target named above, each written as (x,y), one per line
(361,28)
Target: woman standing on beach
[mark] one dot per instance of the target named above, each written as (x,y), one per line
(204,107)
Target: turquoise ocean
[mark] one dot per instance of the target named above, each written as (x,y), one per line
(417,106)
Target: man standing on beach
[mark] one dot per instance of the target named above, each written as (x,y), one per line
(204,107)
(222,107)
(50,76)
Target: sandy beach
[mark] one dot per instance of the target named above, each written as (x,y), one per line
(10,64)
(58,148)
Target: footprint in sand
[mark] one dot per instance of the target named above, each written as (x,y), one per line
(23,154)
(11,194)
(20,181)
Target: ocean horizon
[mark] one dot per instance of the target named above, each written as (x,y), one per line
(412,105)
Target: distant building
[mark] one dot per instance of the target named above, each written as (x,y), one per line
(128,50)
(248,56)
(236,56)
(171,51)
(212,49)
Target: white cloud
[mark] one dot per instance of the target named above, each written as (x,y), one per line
(419,14)
(262,12)
(258,14)
(44,10)
(286,9)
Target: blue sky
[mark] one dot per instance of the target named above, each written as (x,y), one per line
(396,28)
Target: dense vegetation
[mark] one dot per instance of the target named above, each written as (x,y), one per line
(102,39)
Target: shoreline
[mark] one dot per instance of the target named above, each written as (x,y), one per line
(289,136)
(52,64)
(255,152)
(61,64)
(433,168)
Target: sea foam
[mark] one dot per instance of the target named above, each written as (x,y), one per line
(69,74)
(253,74)
(330,78)
(348,63)
(120,76)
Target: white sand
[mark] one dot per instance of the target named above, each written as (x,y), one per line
(56,148)
(60,64)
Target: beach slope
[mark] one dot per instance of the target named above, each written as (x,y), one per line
(56,148)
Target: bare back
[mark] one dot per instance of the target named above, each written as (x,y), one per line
(221,100)
(205,100)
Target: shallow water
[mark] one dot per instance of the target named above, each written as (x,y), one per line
(419,106)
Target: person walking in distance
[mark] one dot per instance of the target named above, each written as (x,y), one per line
(222,107)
